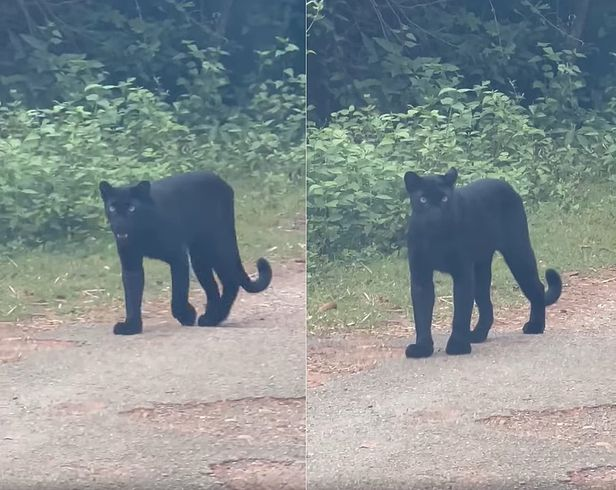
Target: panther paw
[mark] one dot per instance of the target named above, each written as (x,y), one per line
(208,320)
(186,316)
(457,347)
(478,336)
(417,351)
(128,328)
(533,328)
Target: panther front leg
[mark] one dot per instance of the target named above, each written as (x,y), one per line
(133,282)
(463,299)
(422,296)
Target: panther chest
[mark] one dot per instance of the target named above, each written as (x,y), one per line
(441,258)
(441,255)
(164,245)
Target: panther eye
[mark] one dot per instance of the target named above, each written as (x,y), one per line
(112,208)
(444,199)
(131,208)
(423,199)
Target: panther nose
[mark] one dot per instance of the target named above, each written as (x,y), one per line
(121,236)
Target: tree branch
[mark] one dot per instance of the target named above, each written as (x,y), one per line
(24,9)
(221,27)
(579,21)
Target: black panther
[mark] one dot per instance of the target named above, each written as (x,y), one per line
(172,219)
(457,231)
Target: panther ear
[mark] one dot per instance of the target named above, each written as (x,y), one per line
(105,189)
(142,189)
(412,181)
(451,176)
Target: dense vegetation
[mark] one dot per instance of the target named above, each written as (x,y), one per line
(521,90)
(128,90)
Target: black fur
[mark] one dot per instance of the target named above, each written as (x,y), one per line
(171,219)
(457,231)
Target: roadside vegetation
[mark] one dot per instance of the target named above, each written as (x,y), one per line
(124,91)
(500,89)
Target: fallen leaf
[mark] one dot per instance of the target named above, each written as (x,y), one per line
(327,306)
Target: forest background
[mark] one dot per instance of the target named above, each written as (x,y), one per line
(520,90)
(129,90)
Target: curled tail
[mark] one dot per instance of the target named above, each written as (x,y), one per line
(555,287)
(264,279)
(263,266)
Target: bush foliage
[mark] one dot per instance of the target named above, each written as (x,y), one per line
(413,106)
(102,126)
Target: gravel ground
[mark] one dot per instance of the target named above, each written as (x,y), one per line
(519,412)
(175,407)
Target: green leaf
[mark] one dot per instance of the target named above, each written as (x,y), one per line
(34,42)
(445,90)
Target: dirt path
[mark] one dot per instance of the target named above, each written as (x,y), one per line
(519,412)
(172,408)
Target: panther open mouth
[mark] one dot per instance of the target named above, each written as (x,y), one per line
(121,236)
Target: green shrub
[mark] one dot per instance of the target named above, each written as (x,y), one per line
(53,158)
(356,197)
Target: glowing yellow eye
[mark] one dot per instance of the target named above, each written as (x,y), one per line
(131,208)
(423,200)
(444,198)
